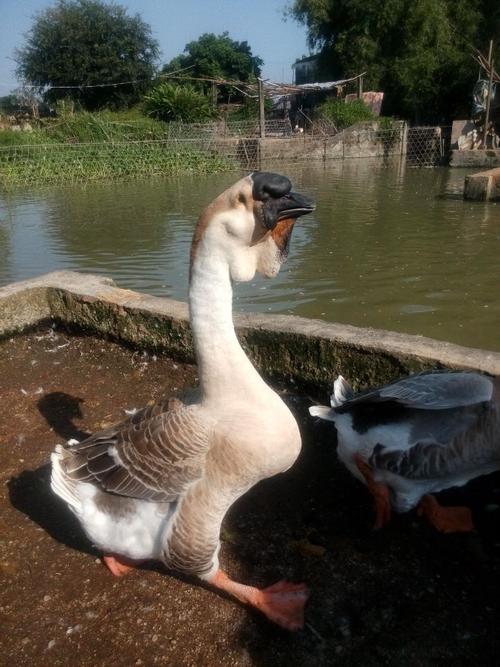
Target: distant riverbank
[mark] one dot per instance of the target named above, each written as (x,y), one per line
(84,147)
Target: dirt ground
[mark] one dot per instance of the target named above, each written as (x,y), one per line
(403,596)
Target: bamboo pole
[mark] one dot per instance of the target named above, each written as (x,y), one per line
(262,118)
(490,88)
(360,87)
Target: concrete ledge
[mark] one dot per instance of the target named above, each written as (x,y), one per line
(475,158)
(290,349)
(484,186)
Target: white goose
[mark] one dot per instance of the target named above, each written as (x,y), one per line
(418,436)
(158,485)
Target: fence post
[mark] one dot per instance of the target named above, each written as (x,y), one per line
(262,118)
(404,138)
(360,87)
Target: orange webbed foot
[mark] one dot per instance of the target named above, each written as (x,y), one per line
(283,603)
(446,519)
(119,566)
(380,493)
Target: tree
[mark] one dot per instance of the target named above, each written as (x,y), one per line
(9,104)
(218,57)
(88,43)
(418,53)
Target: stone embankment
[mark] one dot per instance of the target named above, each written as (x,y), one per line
(295,350)
(484,186)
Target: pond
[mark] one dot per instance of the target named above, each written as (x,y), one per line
(388,246)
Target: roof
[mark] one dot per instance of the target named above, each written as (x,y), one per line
(326,85)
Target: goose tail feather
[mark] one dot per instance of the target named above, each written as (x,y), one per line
(342,392)
(61,483)
(323,412)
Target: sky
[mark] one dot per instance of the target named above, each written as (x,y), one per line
(174,24)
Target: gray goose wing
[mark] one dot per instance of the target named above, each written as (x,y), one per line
(155,455)
(447,442)
(429,391)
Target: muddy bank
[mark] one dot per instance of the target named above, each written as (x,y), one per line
(403,596)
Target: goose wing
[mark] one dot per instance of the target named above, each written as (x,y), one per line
(155,455)
(443,443)
(429,391)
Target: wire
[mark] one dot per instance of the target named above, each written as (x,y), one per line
(82,86)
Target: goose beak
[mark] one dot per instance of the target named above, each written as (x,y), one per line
(293,205)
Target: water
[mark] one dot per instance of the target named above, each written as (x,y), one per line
(388,247)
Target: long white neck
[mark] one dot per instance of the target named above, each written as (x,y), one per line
(223,366)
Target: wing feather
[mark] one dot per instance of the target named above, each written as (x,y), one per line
(154,455)
(472,444)
(430,391)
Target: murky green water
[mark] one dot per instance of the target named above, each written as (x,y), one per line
(387,247)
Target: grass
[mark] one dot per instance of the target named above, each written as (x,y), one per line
(59,163)
(86,146)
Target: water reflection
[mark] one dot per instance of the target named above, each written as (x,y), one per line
(5,247)
(388,246)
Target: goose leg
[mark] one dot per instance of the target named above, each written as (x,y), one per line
(380,493)
(283,602)
(446,519)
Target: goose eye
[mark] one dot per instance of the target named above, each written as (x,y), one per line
(242,199)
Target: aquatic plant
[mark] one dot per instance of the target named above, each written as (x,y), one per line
(57,163)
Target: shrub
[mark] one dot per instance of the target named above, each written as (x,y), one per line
(103,126)
(343,114)
(169,102)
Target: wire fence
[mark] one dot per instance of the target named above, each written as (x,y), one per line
(57,163)
(217,146)
(428,146)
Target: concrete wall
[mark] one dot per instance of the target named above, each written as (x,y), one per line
(475,158)
(360,141)
(296,351)
(363,140)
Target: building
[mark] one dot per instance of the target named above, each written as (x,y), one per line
(305,70)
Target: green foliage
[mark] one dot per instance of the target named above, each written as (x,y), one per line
(87,43)
(80,162)
(218,57)
(170,102)
(13,138)
(85,146)
(344,114)
(102,127)
(84,127)
(418,53)
(8,104)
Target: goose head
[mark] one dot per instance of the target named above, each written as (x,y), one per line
(248,227)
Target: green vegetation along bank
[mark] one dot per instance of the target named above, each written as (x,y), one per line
(84,146)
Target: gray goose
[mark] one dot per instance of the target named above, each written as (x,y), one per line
(417,436)
(158,485)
